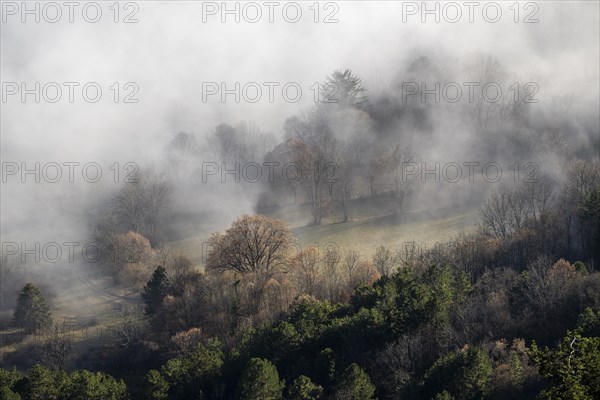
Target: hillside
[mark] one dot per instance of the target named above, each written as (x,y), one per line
(372,223)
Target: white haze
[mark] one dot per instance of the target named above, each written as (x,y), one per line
(170,52)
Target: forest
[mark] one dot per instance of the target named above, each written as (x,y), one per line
(506,309)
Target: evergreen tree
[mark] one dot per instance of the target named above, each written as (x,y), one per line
(466,375)
(8,382)
(443,396)
(304,389)
(86,385)
(354,384)
(155,290)
(260,381)
(573,369)
(32,312)
(40,383)
(156,386)
(196,373)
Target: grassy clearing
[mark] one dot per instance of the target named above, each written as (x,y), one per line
(372,223)
(391,231)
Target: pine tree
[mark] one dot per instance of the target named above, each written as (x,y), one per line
(155,290)
(572,369)
(32,312)
(156,386)
(354,384)
(304,389)
(260,381)
(8,382)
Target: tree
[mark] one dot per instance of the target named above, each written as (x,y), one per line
(252,244)
(385,261)
(306,270)
(158,195)
(130,206)
(495,214)
(8,381)
(573,369)
(141,203)
(132,249)
(304,389)
(181,268)
(58,347)
(260,381)
(583,178)
(127,328)
(240,144)
(350,264)
(32,312)
(465,374)
(287,156)
(40,383)
(49,384)
(184,142)
(314,153)
(344,167)
(590,217)
(377,165)
(192,375)
(443,396)
(398,160)
(546,296)
(86,385)
(155,386)
(486,115)
(538,196)
(354,384)
(343,88)
(588,323)
(155,290)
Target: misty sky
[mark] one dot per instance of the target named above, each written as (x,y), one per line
(171,51)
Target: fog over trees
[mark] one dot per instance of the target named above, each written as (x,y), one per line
(422,223)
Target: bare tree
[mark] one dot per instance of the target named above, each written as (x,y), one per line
(223,143)
(518,209)
(252,244)
(495,214)
(582,178)
(376,168)
(140,206)
(539,198)
(130,206)
(384,261)
(105,235)
(398,158)
(157,192)
(488,115)
(351,259)
(331,261)
(306,270)
(240,144)
(315,155)
(127,329)
(344,168)
(184,143)
(58,347)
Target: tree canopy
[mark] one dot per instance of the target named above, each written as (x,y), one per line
(32,313)
(253,243)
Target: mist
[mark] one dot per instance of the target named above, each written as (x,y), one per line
(166,59)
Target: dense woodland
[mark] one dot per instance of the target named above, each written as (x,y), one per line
(509,310)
